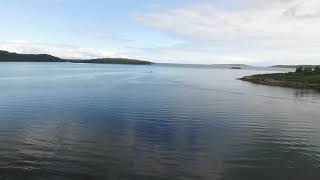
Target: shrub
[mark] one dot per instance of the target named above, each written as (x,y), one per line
(299,69)
(308,70)
(317,70)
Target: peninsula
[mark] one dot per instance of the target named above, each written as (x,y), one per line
(6,56)
(303,77)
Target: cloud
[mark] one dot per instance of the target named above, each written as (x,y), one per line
(59,50)
(279,20)
(279,31)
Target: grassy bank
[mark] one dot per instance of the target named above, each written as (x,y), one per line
(302,78)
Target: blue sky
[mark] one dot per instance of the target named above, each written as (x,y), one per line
(178,31)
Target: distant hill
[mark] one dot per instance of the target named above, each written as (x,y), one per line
(232,66)
(113,61)
(293,66)
(238,65)
(6,56)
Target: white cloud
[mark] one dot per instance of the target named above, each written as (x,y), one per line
(59,50)
(276,31)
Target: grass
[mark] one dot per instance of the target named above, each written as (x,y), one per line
(312,78)
(309,80)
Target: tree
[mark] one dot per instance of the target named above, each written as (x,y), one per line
(299,69)
(317,70)
(307,70)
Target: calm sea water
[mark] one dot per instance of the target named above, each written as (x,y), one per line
(82,121)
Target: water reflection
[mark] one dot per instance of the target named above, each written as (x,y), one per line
(300,93)
(168,124)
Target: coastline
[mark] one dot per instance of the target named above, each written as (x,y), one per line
(6,56)
(270,80)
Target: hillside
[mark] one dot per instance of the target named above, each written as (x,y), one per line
(113,61)
(6,56)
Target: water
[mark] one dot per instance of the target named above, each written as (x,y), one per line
(86,121)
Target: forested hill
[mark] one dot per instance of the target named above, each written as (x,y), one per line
(6,56)
(112,61)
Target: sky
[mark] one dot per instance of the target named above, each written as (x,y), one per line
(255,32)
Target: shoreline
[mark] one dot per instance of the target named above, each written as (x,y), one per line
(6,56)
(268,79)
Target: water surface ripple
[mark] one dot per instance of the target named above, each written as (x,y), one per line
(83,121)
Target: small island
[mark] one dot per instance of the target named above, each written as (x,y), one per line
(236,68)
(6,56)
(304,77)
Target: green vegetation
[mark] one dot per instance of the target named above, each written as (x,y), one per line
(113,61)
(293,66)
(306,74)
(14,57)
(303,77)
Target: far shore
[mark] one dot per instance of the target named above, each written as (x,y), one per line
(6,56)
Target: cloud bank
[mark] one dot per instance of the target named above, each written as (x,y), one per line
(59,50)
(250,31)
(256,32)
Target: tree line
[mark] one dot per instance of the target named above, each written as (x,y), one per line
(308,70)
